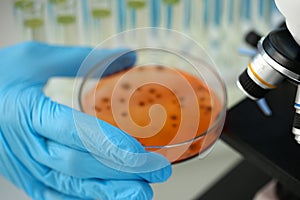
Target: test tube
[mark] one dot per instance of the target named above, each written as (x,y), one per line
(101,20)
(155,13)
(18,16)
(196,19)
(30,15)
(137,13)
(260,13)
(230,16)
(171,11)
(213,25)
(63,14)
(230,25)
(121,10)
(187,11)
(265,13)
(249,11)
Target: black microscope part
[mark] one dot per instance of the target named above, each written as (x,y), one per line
(296,123)
(281,47)
(252,38)
(282,25)
(283,193)
(251,87)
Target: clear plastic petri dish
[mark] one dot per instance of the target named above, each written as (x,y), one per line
(160,87)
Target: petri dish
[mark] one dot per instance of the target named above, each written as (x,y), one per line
(159,86)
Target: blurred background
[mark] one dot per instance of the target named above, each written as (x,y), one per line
(220,26)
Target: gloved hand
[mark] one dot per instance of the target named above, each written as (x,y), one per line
(54,152)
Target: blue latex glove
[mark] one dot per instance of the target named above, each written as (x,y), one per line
(54,152)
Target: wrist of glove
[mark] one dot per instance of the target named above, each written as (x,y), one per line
(54,152)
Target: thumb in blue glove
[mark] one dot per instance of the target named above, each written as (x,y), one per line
(54,152)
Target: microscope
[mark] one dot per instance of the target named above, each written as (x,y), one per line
(277,59)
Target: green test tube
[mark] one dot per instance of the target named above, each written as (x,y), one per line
(101,20)
(137,13)
(63,17)
(172,13)
(30,19)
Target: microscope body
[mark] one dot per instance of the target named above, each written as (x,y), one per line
(290,10)
(277,59)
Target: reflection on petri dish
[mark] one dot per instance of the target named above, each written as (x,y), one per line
(170,100)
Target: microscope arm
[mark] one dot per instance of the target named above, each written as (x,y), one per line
(290,10)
